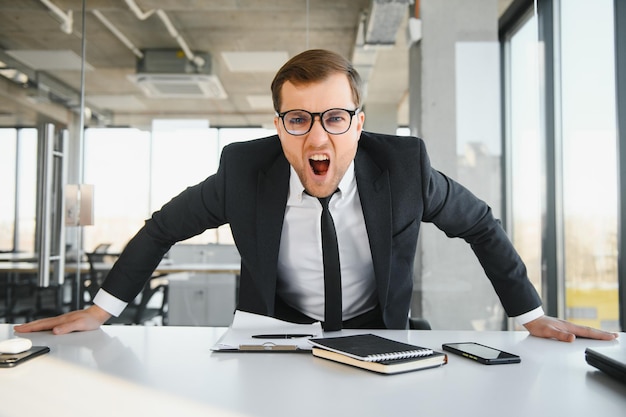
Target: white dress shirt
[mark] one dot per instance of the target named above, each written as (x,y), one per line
(300,264)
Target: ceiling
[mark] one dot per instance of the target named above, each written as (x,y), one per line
(228,50)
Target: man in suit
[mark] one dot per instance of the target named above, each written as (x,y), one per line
(381,188)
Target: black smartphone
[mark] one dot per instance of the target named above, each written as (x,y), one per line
(481,353)
(8,360)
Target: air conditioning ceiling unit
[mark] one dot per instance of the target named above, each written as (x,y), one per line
(167,73)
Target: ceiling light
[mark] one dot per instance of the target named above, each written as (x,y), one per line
(268,61)
(49,60)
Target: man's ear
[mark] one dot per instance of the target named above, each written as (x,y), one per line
(277,124)
(360,121)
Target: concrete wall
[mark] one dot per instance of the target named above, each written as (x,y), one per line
(454,107)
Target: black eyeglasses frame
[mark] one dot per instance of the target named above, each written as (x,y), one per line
(352,113)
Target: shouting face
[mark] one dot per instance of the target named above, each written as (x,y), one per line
(320,158)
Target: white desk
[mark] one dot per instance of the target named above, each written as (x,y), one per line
(18,257)
(134,370)
(163,268)
(206,268)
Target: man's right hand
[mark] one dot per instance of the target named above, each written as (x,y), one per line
(74,321)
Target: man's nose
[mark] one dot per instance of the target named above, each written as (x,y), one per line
(317,133)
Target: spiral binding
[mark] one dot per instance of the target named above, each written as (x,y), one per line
(381,357)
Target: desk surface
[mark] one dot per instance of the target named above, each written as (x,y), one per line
(163,268)
(17,257)
(158,368)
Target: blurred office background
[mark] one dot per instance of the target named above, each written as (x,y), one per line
(519,100)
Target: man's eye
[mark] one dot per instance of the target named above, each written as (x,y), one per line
(297,121)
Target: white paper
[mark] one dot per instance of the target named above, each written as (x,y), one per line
(245,325)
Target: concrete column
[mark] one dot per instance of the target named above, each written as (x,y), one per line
(454,107)
(381,118)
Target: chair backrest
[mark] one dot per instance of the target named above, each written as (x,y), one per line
(102,248)
(99,267)
(416,323)
(99,253)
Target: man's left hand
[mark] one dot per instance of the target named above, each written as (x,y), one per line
(553,328)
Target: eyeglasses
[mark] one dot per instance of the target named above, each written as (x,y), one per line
(334,121)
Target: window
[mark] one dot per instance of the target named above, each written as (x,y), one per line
(562,184)
(525,152)
(18,170)
(589,163)
(8,149)
(117,164)
(134,173)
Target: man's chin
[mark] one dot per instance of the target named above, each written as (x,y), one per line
(318,185)
(320,188)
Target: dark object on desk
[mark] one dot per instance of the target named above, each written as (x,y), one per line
(9,360)
(376,353)
(611,361)
(480,353)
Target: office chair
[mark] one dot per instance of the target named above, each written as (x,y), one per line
(17,300)
(22,299)
(140,310)
(417,323)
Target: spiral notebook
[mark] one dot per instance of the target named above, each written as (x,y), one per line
(376,353)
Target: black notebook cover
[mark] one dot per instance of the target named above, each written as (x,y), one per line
(377,353)
(370,347)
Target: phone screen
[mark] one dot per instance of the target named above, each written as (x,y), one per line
(481,353)
(8,360)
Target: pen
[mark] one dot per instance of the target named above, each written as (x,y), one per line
(281,336)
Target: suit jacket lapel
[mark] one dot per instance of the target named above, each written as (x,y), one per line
(272,189)
(375,195)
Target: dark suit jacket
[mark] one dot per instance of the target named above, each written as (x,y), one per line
(398,190)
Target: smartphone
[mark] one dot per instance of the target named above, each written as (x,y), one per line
(8,360)
(481,353)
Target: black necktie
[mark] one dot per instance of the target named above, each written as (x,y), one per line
(332,271)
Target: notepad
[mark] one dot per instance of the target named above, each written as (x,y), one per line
(242,335)
(376,353)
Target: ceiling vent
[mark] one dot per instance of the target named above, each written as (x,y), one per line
(169,74)
(384,20)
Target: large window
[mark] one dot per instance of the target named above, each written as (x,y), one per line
(8,147)
(117,163)
(18,187)
(562,164)
(589,162)
(135,172)
(524,155)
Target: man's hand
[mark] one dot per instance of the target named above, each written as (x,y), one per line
(553,328)
(89,319)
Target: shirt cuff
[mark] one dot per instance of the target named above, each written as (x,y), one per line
(529,316)
(110,303)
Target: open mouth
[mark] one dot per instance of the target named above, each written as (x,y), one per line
(320,164)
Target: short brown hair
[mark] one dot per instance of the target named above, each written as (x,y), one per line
(312,66)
